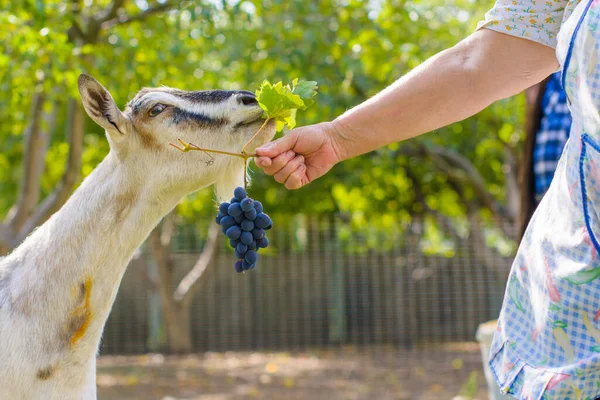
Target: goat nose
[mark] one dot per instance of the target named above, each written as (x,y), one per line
(247,98)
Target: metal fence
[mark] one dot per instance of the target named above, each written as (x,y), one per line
(318,288)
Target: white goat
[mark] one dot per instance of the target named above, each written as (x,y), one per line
(58,287)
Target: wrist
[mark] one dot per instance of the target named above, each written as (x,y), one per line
(337,133)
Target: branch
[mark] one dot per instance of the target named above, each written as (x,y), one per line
(163,261)
(533,118)
(7,240)
(110,13)
(71,175)
(76,7)
(359,91)
(444,221)
(33,163)
(125,19)
(152,280)
(457,182)
(75,33)
(417,188)
(160,254)
(168,227)
(513,191)
(463,173)
(188,285)
(472,175)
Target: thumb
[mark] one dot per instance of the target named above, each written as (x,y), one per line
(278,146)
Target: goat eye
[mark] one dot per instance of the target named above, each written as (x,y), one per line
(157,109)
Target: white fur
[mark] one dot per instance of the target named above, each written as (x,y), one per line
(93,237)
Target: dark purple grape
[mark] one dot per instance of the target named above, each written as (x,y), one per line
(251,215)
(223,208)
(246,265)
(244,223)
(246,238)
(247,204)
(262,243)
(239,193)
(238,266)
(251,256)
(247,225)
(262,221)
(242,248)
(234,209)
(227,222)
(234,232)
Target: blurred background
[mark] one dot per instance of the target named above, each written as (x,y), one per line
(378,274)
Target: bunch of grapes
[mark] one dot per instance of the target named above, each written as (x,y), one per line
(244,223)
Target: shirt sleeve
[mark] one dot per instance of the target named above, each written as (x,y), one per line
(537,20)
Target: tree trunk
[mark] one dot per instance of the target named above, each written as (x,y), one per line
(4,247)
(179,328)
(176,303)
(157,328)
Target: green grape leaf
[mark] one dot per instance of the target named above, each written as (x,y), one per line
(280,102)
(305,89)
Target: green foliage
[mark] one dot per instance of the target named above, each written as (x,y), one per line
(281,102)
(353,48)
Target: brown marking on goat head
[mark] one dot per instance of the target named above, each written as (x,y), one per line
(149,141)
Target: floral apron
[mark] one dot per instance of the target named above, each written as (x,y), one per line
(548,341)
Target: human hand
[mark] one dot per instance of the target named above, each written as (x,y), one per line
(301,156)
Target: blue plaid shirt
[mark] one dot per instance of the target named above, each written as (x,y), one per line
(552,136)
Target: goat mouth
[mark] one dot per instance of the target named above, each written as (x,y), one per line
(249,121)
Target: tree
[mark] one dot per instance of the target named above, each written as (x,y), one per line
(462,174)
(355,50)
(176,299)
(53,47)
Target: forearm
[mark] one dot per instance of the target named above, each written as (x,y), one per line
(449,87)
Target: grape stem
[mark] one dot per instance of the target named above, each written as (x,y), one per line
(255,135)
(190,146)
(245,173)
(185,147)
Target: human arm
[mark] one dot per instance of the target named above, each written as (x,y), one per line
(449,87)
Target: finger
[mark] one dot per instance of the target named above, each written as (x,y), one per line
(294,181)
(287,170)
(262,161)
(278,146)
(279,162)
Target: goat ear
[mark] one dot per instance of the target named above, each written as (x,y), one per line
(100,106)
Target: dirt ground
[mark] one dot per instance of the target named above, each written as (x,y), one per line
(452,372)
